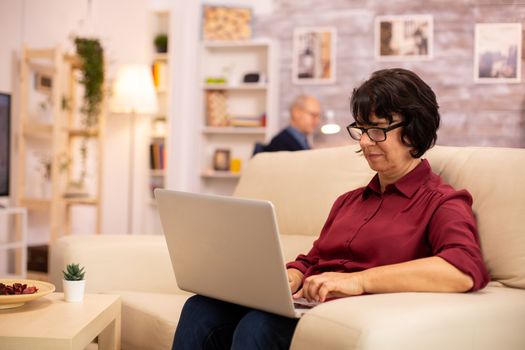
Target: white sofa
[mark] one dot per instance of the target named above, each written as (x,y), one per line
(302,186)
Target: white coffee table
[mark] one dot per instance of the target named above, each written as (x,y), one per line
(50,323)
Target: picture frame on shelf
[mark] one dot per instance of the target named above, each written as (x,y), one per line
(314,55)
(497,53)
(226,23)
(404,38)
(43,83)
(221,160)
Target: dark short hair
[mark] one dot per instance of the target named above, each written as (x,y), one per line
(399,91)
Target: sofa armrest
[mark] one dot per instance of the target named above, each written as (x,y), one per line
(492,318)
(116,262)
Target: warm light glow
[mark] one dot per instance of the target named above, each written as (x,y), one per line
(133,91)
(330,129)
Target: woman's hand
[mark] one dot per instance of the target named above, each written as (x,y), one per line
(331,285)
(295,278)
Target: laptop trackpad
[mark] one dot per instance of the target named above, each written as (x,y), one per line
(302,303)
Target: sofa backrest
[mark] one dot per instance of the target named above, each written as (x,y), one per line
(303,185)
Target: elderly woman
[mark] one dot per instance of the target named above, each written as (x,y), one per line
(406,231)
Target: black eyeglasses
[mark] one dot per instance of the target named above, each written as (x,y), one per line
(374,133)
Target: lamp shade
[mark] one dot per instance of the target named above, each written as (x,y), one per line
(330,126)
(133,90)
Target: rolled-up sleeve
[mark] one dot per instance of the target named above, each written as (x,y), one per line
(454,237)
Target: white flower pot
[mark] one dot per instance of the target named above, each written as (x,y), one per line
(74,290)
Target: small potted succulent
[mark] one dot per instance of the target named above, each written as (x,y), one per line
(74,283)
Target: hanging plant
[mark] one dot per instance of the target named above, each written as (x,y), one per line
(91,56)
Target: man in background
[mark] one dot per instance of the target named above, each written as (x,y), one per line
(305,115)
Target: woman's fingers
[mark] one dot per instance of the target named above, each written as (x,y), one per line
(311,287)
(331,284)
(299,294)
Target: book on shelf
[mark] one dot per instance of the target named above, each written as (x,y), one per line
(243,121)
(159,75)
(157,156)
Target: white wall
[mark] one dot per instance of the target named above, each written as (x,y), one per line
(10,38)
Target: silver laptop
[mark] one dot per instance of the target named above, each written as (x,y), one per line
(227,248)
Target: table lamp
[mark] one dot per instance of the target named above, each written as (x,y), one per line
(133,93)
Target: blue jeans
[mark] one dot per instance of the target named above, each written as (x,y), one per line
(207,323)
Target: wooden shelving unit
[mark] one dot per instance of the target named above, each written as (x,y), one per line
(76,132)
(34,62)
(55,137)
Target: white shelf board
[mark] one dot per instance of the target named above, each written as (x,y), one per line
(234,130)
(219,44)
(160,56)
(253,86)
(12,245)
(157,172)
(214,174)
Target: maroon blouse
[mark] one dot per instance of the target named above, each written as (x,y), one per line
(418,216)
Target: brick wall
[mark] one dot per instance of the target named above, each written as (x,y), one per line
(472,114)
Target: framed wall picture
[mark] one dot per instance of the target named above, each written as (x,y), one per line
(221,160)
(497,53)
(226,23)
(314,51)
(402,38)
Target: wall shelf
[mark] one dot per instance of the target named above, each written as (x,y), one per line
(81,201)
(93,132)
(244,107)
(38,129)
(235,44)
(160,56)
(254,86)
(214,174)
(234,130)
(35,203)
(157,172)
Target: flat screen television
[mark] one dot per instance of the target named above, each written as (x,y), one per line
(5,141)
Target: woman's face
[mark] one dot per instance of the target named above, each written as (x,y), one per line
(390,156)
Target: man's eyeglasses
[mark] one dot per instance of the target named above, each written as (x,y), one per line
(374,133)
(316,115)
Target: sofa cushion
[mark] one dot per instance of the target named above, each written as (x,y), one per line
(494,177)
(489,319)
(303,185)
(294,245)
(149,316)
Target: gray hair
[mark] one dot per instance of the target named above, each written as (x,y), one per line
(299,101)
